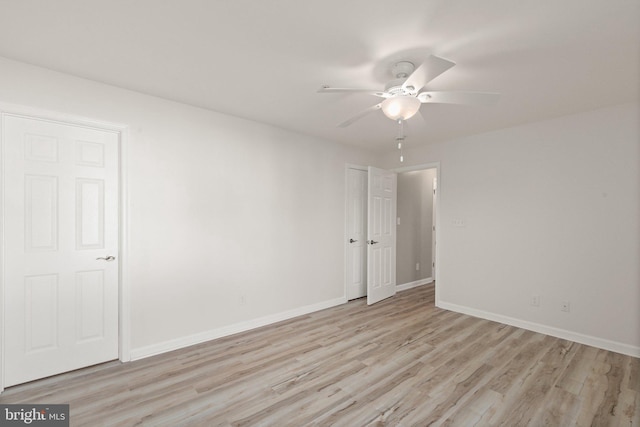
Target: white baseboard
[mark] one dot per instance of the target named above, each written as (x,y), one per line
(544,329)
(178,343)
(415,284)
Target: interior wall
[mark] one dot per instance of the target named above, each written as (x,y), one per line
(414,233)
(230,220)
(549,209)
(220,208)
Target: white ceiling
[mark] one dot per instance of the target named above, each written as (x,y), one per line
(265,59)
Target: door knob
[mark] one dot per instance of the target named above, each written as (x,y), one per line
(107,258)
(352,241)
(372,242)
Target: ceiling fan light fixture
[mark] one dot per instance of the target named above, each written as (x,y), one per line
(400,107)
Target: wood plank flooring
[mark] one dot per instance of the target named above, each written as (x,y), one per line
(402,362)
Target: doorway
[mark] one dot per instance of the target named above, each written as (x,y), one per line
(416,262)
(416,228)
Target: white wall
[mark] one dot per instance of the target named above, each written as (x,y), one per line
(223,207)
(550,209)
(220,208)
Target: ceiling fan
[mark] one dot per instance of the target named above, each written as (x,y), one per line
(402,96)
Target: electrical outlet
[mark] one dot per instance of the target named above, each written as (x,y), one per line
(458,222)
(243,300)
(417,266)
(535,300)
(565,306)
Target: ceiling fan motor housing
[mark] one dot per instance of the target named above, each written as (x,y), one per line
(401,71)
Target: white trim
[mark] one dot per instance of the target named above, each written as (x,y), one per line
(357,167)
(178,343)
(602,343)
(2,251)
(438,234)
(124,325)
(432,165)
(124,306)
(54,116)
(414,284)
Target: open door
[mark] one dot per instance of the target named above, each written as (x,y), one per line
(381,243)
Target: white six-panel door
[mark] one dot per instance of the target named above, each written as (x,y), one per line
(381,254)
(60,230)
(356,233)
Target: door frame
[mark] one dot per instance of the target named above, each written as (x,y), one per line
(436,232)
(124,300)
(433,228)
(422,166)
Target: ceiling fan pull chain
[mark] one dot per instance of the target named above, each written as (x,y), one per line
(400,138)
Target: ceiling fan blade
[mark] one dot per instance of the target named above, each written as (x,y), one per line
(376,92)
(464,98)
(360,115)
(431,68)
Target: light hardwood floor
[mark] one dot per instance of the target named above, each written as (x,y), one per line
(400,362)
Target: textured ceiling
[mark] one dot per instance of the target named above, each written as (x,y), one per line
(264,60)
